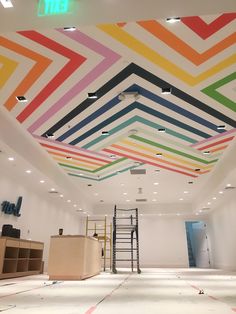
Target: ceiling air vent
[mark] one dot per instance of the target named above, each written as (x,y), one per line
(229,188)
(141,200)
(137,171)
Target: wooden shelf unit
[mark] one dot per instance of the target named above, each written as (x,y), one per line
(20,257)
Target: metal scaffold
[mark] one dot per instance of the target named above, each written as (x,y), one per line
(100,229)
(125,238)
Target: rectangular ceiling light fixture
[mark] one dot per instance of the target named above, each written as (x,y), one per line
(54,7)
(6,3)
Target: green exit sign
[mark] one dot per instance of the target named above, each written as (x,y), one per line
(54,7)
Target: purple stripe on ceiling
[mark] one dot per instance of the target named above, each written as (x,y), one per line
(110,58)
(60,144)
(214,137)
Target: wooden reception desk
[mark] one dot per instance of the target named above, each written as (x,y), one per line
(73,257)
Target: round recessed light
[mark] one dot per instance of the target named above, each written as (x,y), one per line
(221,192)
(52,189)
(50,135)
(11,158)
(214,198)
(197,214)
(74,205)
(155,183)
(186,192)
(122,184)
(155,192)
(28,171)
(173,20)
(209,203)
(96,194)
(127,200)
(81,174)
(178,214)
(181,199)
(41,181)
(68,201)
(154,200)
(61,195)
(141,214)
(125,193)
(228,185)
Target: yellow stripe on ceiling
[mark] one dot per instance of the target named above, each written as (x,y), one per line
(7,67)
(139,47)
(172,157)
(79,164)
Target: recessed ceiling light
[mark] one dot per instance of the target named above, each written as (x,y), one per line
(166,91)
(41,181)
(134,95)
(104,133)
(80,209)
(69,28)
(207,152)
(173,20)
(125,193)
(214,198)
(228,185)
(11,158)
(220,127)
(61,195)
(52,189)
(221,192)
(155,192)
(21,99)
(28,171)
(96,194)
(159,154)
(181,199)
(74,205)
(155,183)
(6,3)
(81,174)
(200,211)
(209,203)
(141,214)
(68,201)
(197,214)
(178,214)
(161,130)
(127,200)
(84,212)
(68,157)
(92,95)
(159,214)
(186,192)
(154,200)
(50,135)
(122,184)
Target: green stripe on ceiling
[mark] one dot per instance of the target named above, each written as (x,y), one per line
(98,169)
(212,92)
(141,139)
(110,164)
(74,167)
(131,121)
(106,177)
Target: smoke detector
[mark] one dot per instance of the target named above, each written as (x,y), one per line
(128,96)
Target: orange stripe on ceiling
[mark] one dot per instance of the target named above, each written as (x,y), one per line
(159,31)
(76,158)
(153,158)
(148,162)
(219,148)
(74,153)
(41,65)
(217,143)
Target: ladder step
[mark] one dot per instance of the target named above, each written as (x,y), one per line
(126,260)
(124,242)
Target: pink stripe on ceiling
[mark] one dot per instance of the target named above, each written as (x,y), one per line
(214,137)
(68,146)
(110,57)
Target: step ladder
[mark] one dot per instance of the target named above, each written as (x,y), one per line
(125,238)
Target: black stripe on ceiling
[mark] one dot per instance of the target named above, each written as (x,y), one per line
(148,76)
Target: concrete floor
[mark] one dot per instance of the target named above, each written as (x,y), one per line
(155,291)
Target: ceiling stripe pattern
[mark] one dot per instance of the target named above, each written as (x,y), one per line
(194,58)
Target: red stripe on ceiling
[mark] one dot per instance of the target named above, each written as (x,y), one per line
(204,30)
(75,62)
(217,143)
(74,153)
(121,24)
(219,148)
(148,162)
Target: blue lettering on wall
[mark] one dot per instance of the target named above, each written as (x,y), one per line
(11,208)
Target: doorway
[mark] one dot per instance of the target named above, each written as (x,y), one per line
(198,244)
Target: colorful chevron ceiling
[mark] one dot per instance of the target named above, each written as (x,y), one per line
(55,69)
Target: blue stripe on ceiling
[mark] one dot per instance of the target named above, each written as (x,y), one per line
(137,105)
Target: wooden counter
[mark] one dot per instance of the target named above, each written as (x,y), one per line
(74,257)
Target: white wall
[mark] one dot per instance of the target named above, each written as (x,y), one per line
(41,214)
(163,241)
(222,231)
